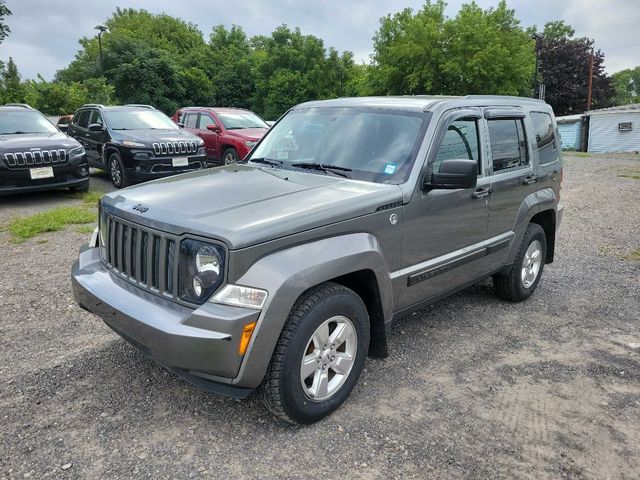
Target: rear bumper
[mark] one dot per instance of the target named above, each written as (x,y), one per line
(65,176)
(200,345)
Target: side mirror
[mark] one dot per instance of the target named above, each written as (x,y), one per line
(213,127)
(63,127)
(96,127)
(454,174)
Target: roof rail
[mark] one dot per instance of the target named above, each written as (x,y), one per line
(21,105)
(97,105)
(504,97)
(141,105)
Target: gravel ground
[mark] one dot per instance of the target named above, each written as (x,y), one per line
(473,387)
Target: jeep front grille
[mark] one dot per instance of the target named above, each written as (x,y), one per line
(35,158)
(175,148)
(145,257)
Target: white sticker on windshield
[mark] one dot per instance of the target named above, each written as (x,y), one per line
(390,168)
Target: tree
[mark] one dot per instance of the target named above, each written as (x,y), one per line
(4,28)
(626,84)
(61,98)
(12,87)
(478,51)
(564,67)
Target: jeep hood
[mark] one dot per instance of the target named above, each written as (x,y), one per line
(244,205)
(26,141)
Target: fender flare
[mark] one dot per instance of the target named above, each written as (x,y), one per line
(288,273)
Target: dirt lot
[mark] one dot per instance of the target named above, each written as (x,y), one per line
(473,388)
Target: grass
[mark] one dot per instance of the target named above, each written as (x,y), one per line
(632,175)
(634,255)
(580,154)
(23,228)
(90,198)
(86,228)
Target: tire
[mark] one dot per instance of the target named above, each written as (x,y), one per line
(230,156)
(289,396)
(524,275)
(81,189)
(117,173)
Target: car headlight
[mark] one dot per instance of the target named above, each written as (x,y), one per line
(129,143)
(250,144)
(200,142)
(200,269)
(240,296)
(77,151)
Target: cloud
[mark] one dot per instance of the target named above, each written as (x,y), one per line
(44,33)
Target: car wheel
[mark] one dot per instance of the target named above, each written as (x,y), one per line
(81,189)
(319,355)
(230,156)
(525,272)
(117,172)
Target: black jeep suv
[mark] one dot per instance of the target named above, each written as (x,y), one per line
(35,155)
(134,143)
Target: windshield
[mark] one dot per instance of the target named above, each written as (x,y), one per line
(24,122)
(239,120)
(141,119)
(371,145)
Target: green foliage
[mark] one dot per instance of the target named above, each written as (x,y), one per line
(626,84)
(61,98)
(4,28)
(12,88)
(478,51)
(22,228)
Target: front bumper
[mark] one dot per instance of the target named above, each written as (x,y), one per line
(64,176)
(200,345)
(160,167)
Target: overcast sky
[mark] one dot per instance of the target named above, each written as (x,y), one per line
(44,33)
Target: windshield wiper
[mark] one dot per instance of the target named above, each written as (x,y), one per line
(267,161)
(323,167)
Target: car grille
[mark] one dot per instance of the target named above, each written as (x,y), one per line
(35,158)
(174,148)
(145,257)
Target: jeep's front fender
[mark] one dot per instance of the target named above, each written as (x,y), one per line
(288,273)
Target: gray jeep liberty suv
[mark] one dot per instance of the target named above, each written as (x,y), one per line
(287,270)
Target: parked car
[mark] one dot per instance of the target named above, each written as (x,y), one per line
(228,133)
(134,143)
(63,122)
(36,156)
(352,213)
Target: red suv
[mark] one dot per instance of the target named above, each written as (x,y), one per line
(228,133)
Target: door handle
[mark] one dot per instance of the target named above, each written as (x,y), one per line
(530,179)
(482,192)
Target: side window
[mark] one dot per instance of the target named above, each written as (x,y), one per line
(96,117)
(545,137)
(461,141)
(204,121)
(190,120)
(83,118)
(508,145)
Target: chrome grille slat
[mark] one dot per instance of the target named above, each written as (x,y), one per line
(175,148)
(36,158)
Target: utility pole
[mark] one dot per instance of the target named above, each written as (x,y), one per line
(536,77)
(590,85)
(101,29)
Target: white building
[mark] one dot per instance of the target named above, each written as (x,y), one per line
(570,128)
(614,129)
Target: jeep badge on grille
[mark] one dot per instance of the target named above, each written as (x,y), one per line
(140,208)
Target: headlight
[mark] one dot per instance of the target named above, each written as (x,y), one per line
(128,143)
(77,151)
(250,144)
(240,296)
(201,270)
(200,142)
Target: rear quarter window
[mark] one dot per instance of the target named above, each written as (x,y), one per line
(545,137)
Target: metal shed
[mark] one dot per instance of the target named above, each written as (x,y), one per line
(615,129)
(570,127)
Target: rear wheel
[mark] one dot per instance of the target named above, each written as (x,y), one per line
(117,172)
(319,356)
(525,272)
(230,156)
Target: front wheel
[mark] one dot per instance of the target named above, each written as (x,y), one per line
(230,156)
(117,172)
(525,272)
(319,356)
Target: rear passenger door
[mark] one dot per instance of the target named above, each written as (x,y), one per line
(512,169)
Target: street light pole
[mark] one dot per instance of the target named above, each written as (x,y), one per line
(101,29)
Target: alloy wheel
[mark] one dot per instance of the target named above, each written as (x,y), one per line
(531,264)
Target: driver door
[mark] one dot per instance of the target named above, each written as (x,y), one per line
(445,229)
